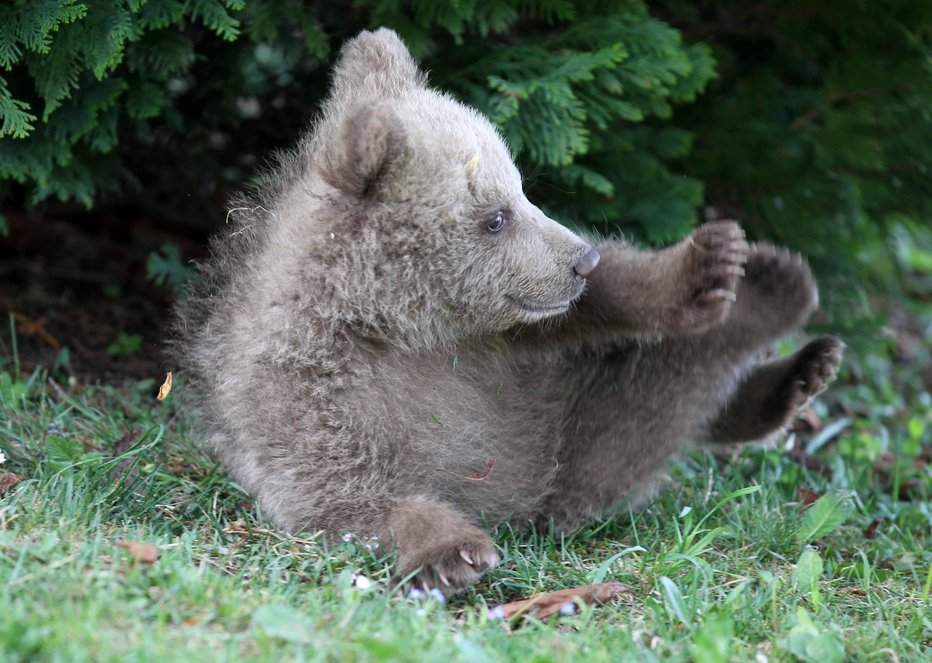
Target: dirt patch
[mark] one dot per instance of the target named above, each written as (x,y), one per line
(75,286)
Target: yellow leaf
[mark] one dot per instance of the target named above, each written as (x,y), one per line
(166,387)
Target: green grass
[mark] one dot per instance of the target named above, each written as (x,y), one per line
(725,565)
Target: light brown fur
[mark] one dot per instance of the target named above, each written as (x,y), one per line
(362,347)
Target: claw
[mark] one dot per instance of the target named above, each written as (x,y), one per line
(721,293)
(466,557)
(443,579)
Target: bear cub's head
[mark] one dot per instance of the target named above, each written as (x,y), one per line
(427,189)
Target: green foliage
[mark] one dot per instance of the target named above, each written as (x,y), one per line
(125,344)
(712,643)
(567,82)
(810,124)
(82,69)
(808,573)
(165,267)
(825,515)
(285,622)
(818,131)
(812,643)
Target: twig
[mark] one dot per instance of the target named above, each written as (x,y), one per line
(28,326)
(476,476)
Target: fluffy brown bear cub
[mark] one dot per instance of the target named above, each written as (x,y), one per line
(391,316)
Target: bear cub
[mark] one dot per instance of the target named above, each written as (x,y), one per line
(390,340)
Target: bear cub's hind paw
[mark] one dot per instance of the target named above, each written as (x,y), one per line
(778,286)
(451,565)
(816,366)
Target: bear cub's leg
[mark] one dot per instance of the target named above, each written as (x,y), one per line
(776,296)
(447,552)
(683,289)
(770,396)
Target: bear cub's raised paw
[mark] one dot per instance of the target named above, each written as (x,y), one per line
(815,367)
(712,263)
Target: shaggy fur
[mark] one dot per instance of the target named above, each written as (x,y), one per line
(367,341)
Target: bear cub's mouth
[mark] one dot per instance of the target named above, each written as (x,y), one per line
(539,308)
(544,307)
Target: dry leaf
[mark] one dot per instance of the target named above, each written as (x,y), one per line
(144,553)
(805,496)
(871,530)
(545,604)
(808,422)
(166,387)
(8,480)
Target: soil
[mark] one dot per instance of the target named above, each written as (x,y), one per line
(71,285)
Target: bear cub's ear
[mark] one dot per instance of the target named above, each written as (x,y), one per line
(375,65)
(368,142)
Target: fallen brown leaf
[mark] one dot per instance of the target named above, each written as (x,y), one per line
(166,388)
(547,603)
(808,422)
(144,553)
(885,462)
(805,496)
(8,480)
(871,530)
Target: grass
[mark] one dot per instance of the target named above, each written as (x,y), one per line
(725,565)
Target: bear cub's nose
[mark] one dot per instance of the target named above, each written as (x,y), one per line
(586,262)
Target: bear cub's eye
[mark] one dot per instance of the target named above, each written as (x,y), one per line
(496,222)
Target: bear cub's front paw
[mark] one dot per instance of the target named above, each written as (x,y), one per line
(713,259)
(449,565)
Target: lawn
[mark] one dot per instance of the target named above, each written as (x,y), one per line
(819,554)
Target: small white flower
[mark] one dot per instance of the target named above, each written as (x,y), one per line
(347,537)
(568,608)
(361,582)
(416,594)
(498,612)
(2,457)
(437,595)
